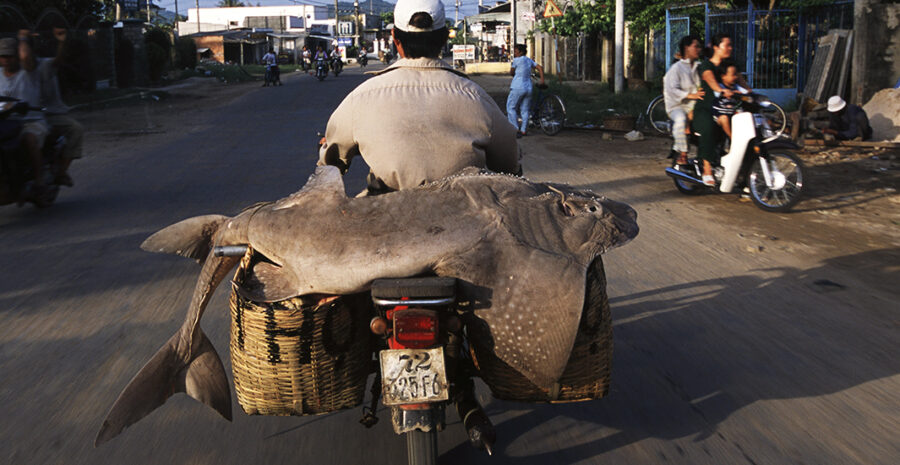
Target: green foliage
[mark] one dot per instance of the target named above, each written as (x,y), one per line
(387,17)
(582,16)
(229,3)
(72,10)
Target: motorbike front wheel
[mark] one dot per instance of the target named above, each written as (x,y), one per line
(785,185)
(421,447)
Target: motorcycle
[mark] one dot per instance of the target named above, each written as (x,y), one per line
(16,173)
(423,365)
(363,59)
(759,163)
(321,69)
(385,56)
(272,76)
(337,65)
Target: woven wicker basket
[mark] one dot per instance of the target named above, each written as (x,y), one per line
(587,372)
(291,358)
(619,123)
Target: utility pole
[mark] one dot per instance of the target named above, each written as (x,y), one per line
(512,33)
(176,19)
(357,29)
(336,16)
(197,2)
(148,11)
(620,47)
(456,21)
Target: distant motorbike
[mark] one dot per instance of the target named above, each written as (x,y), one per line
(337,65)
(759,162)
(321,69)
(273,75)
(385,56)
(363,59)
(16,173)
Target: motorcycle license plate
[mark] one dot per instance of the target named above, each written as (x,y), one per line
(412,376)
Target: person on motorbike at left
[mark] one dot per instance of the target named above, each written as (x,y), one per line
(57,112)
(20,79)
(680,90)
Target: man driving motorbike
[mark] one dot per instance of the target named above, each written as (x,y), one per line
(20,79)
(419,120)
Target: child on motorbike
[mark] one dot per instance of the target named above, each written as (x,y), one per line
(724,106)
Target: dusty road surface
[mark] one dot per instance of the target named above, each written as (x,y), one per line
(740,336)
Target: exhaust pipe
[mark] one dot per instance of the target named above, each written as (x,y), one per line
(672,172)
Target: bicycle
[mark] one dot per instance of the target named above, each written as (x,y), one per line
(547,111)
(657,119)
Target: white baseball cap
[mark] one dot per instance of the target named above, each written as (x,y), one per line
(405,10)
(836,103)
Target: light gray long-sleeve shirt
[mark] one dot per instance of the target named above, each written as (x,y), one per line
(680,81)
(418,121)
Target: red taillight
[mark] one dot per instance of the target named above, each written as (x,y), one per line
(415,327)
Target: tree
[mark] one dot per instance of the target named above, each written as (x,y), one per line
(230,3)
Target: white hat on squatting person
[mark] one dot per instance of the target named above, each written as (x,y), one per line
(836,103)
(405,10)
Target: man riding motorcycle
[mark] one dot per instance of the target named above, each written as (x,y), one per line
(419,120)
(20,79)
(416,122)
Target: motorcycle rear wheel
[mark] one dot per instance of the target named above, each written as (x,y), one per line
(421,447)
(787,171)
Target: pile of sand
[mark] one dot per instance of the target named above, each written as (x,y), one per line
(883,111)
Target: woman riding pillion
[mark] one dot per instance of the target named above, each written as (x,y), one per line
(680,89)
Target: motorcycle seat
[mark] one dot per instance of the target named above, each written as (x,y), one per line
(428,287)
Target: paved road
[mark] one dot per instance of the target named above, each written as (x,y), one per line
(785,355)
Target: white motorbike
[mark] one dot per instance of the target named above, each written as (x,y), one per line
(759,162)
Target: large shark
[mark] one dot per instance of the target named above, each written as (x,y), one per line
(520,249)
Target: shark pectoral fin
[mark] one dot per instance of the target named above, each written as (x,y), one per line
(190,238)
(203,378)
(269,283)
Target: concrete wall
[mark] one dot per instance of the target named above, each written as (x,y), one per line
(876,48)
(133,31)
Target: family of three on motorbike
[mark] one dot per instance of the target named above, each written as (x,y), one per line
(700,96)
(34,82)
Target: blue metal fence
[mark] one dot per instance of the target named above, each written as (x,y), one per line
(775,47)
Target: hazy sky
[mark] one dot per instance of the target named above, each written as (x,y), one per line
(466,7)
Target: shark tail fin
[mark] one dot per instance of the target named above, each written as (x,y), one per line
(202,377)
(190,238)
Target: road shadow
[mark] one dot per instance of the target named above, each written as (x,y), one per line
(689,356)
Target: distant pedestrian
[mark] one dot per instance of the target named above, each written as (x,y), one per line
(518,104)
(848,121)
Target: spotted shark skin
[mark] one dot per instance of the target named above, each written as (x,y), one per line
(520,250)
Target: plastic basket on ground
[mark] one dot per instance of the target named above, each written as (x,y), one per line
(619,122)
(587,372)
(295,358)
